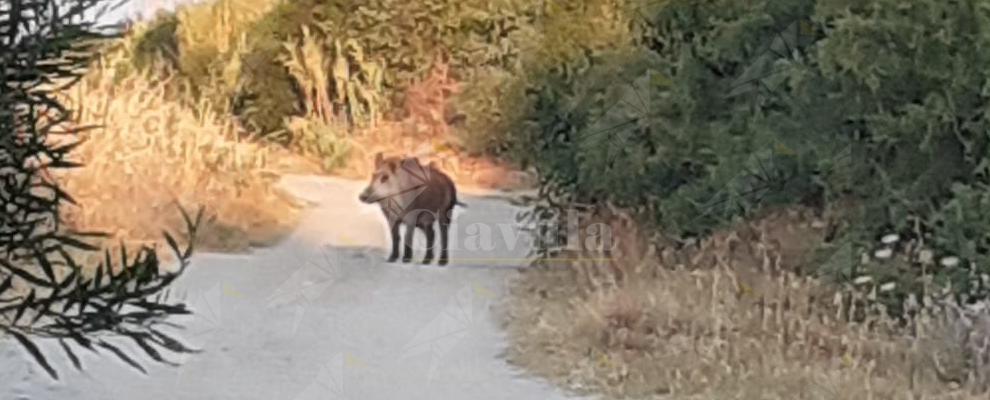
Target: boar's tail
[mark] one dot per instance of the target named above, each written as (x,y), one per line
(458,203)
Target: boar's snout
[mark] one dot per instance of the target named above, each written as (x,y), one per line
(364,196)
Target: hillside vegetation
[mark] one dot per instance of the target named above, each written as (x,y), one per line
(842,144)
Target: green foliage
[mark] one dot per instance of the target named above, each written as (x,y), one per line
(44,292)
(340,87)
(884,107)
(599,130)
(264,93)
(337,80)
(260,86)
(905,91)
(539,37)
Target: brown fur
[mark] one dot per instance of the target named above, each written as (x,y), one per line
(415,196)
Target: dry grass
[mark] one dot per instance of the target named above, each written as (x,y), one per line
(709,323)
(152,154)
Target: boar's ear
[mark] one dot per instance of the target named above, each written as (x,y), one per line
(393,165)
(378,159)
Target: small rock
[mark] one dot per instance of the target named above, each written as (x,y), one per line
(883,254)
(926,257)
(950,262)
(891,238)
(886,287)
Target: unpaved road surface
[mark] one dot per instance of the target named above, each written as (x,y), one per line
(323,316)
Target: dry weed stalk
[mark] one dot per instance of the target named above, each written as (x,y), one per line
(956,340)
(698,330)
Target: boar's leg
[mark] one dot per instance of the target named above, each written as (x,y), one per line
(407,243)
(444,233)
(395,241)
(430,233)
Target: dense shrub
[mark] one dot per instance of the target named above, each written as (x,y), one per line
(905,91)
(539,37)
(673,152)
(875,103)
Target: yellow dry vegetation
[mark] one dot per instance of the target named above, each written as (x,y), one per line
(149,154)
(721,320)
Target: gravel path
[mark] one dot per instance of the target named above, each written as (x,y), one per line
(322,316)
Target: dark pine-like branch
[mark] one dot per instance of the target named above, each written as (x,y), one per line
(45,47)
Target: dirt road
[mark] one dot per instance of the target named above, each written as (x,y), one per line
(322,316)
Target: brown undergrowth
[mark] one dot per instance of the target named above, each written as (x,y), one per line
(406,138)
(151,154)
(422,127)
(723,319)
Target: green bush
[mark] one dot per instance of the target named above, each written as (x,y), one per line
(906,90)
(877,103)
(263,92)
(684,143)
(539,36)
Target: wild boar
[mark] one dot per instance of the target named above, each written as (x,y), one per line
(415,196)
